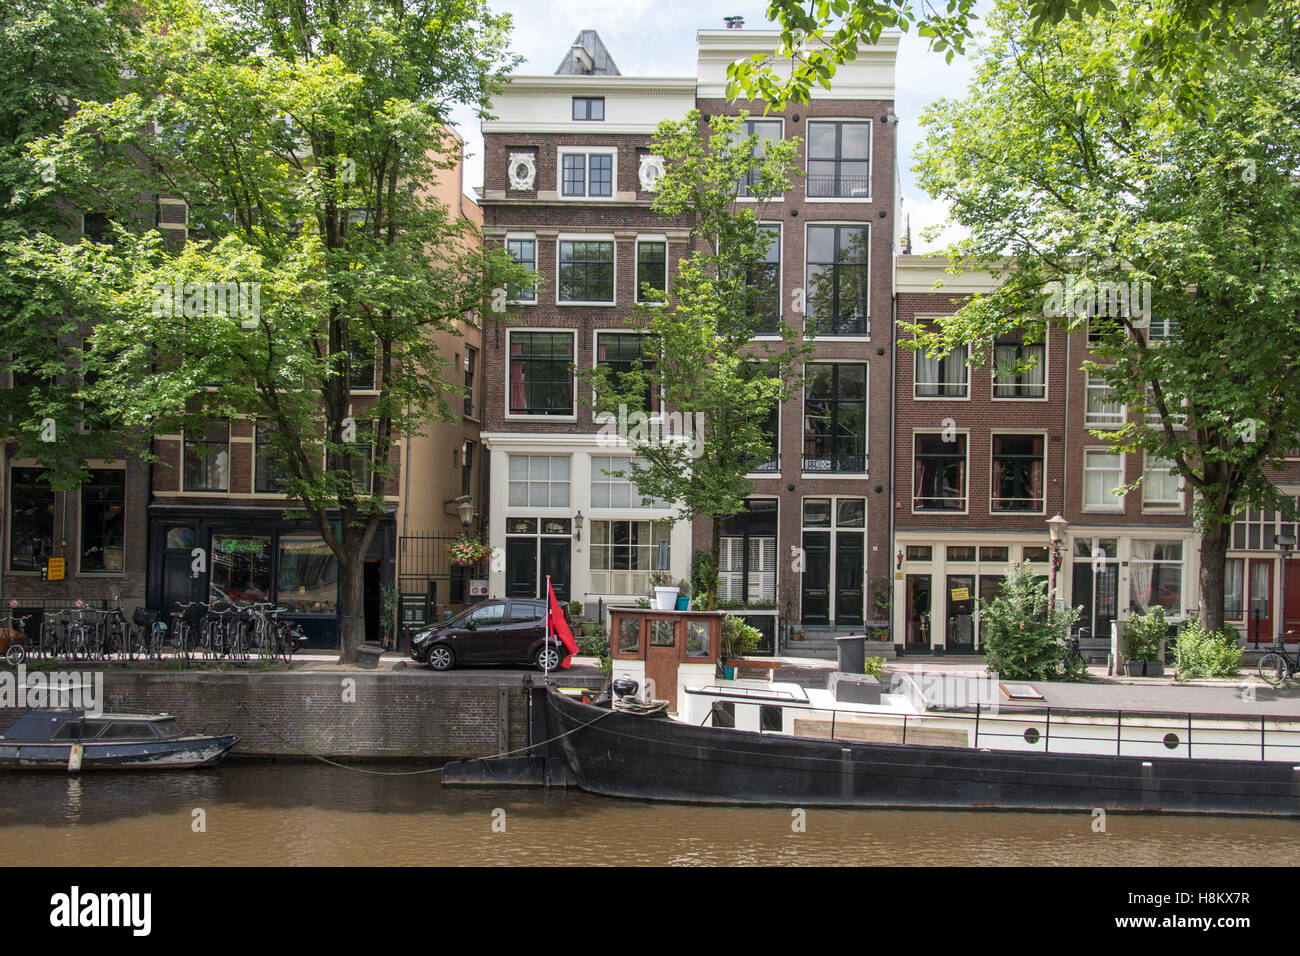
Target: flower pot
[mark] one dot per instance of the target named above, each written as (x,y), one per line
(728,673)
(665,599)
(683,603)
(589,628)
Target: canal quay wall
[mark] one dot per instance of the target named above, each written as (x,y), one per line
(348,713)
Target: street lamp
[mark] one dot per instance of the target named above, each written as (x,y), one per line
(466,511)
(1056,532)
(1286,543)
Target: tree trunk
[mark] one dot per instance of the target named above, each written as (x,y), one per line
(1214,549)
(352,607)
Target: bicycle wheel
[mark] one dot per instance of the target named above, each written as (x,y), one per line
(1274,668)
(15,654)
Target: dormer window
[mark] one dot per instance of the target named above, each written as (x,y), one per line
(589,108)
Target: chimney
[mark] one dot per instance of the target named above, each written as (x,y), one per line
(734,23)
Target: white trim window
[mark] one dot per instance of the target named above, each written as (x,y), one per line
(588,174)
(1019,369)
(1101,409)
(1103,472)
(623,553)
(1163,328)
(538,481)
(839,159)
(539,372)
(1156,576)
(585,272)
(1161,488)
(523,249)
(945,377)
(612,490)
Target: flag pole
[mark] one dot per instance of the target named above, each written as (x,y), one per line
(546,658)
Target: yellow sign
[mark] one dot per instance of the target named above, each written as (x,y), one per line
(961,594)
(54,569)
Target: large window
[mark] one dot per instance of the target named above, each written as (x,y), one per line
(763,285)
(241,567)
(1019,370)
(1103,473)
(835,418)
(31,522)
(308,575)
(1103,411)
(207,458)
(1017,473)
(610,490)
(837,279)
(767,131)
(587,174)
(1156,576)
(471,366)
(1161,488)
(524,251)
(586,271)
(747,561)
(362,451)
(1255,530)
(539,481)
(623,553)
(268,466)
(541,373)
(944,377)
(103,526)
(651,269)
(939,473)
(619,352)
(839,160)
(1233,571)
(361,360)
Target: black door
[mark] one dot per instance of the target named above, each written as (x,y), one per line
(960,622)
(1097,592)
(817,577)
(850,564)
(521,567)
(178,586)
(919,633)
(556,563)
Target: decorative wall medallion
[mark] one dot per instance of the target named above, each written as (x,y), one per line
(523,171)
(652,168)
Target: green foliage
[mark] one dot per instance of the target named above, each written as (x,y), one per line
(1203,653)
(1019,641)
(1142,635)
(703,577)
(738,638)
(1113,211)
(592,645)
(875,666)
(1176,44)
(575,610)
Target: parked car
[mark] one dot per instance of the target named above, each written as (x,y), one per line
(493,632)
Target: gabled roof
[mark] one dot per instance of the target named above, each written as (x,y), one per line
(587,57)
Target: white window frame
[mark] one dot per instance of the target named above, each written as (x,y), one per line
(911,488)
(1097,383)
(871,165)
(636,267)
(611,151)
(616,463)
(547,509)
(505,390)
(583,237)
(1118,506)
(1047,373)
(1030,433)
(917,356)
(1161,505)
(526,237)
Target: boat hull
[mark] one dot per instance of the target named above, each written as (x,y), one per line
(618,755)
(178,754)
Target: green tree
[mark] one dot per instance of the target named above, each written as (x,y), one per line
(1177,43)
(57,54)
(1178,244)
(702,358)
(1019,640)
(301,135)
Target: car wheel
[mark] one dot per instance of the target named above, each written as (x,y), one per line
(441,658)
(547,659)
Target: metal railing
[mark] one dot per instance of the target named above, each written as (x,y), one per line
(850,463)
(839,187)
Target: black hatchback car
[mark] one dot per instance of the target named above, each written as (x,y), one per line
(494,632)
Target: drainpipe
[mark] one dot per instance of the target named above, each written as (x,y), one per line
(893,426)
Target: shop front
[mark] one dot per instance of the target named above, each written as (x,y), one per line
(248,554)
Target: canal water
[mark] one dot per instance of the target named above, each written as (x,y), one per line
(245,813)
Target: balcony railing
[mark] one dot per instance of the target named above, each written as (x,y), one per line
(841,325)
(839,187)
(852,463)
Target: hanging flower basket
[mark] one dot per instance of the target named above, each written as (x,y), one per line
(465,550)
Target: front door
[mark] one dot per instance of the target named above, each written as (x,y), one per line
(817,577)
(849,567)
(960,619)
(661,660)
(1259,607)
(918,614)
(555,562)
(521,567)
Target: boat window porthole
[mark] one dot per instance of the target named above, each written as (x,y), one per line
(1031,735)
(1171,741)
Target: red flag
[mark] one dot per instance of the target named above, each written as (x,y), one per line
(559,626)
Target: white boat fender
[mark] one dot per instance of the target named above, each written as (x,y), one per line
(74,758)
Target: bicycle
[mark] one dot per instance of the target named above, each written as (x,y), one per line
(1275,667)
(16,652)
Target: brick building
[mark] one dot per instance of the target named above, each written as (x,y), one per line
(567,167)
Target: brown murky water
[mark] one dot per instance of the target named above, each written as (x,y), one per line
(314,814)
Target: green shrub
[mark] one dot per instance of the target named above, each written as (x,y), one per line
(738,638)
(702,574)
(875,666)
(1202,653)
(592,645)
(1140,639)
(1019,642)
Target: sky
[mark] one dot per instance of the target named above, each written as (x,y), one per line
(657,38)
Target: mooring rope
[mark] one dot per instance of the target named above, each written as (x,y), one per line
(407,773)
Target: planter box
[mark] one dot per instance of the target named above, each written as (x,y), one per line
(1154,668)
(589,628)
(1133,668)
(368,656)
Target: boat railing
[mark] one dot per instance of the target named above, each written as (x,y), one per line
(1046,729)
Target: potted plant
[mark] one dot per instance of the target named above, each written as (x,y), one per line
(738,638)
(1142,641)
(663,591)
(463,550)
(683,595)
